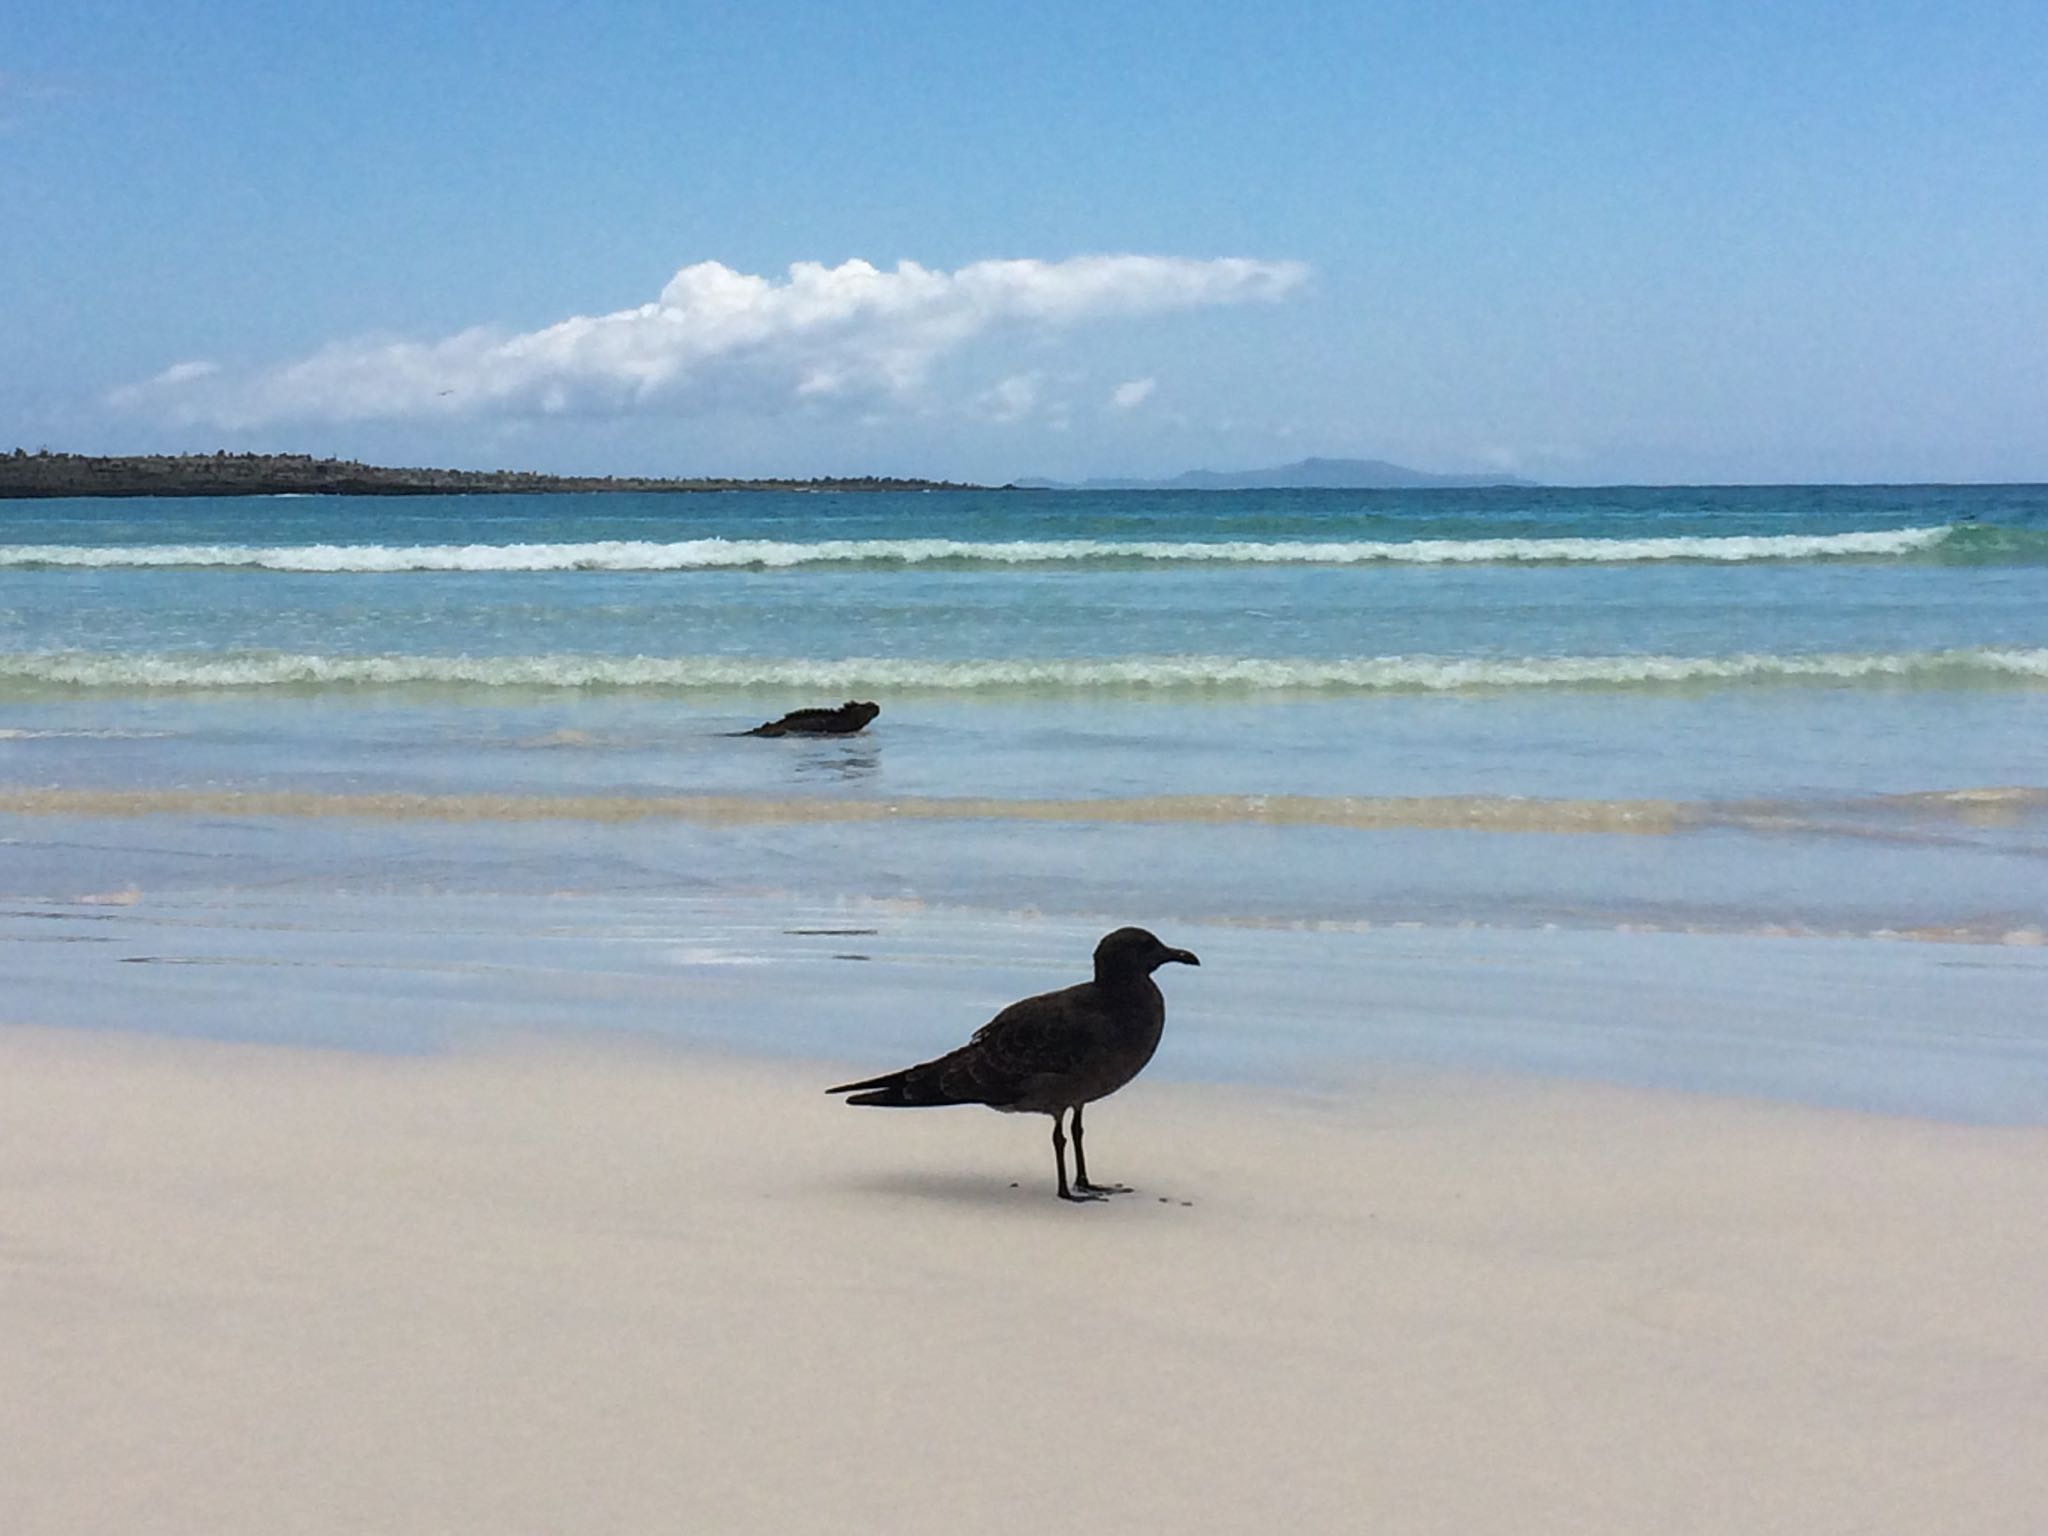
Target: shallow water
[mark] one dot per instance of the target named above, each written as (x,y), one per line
(1931,1029)
(1724,714)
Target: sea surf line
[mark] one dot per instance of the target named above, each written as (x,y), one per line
(709,554)
(252,670)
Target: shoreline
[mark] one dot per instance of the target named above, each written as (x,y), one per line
(1921,1025)
(47,476)
(548,1288)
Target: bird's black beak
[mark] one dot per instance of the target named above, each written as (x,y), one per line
(1184,956)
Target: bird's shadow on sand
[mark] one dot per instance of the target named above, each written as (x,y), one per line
(961,1188)
(953,1189)
(984,1190)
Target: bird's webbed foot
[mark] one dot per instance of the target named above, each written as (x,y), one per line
(1101,1191)
(1084,1194)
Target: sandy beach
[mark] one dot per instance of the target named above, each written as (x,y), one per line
(581,1286)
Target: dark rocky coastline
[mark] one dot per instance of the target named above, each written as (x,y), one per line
(275,474)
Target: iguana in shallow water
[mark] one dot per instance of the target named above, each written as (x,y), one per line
(843,721)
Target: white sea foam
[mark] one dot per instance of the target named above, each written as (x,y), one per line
(1163,674)
(775,554)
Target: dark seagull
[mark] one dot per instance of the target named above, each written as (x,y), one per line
(1051,1053)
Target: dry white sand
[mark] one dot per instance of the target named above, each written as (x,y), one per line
(263,1290)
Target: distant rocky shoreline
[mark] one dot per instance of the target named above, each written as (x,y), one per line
(24,474)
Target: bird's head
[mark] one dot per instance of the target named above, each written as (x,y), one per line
(1131,952)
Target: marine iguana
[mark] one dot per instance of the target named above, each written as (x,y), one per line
(843,721)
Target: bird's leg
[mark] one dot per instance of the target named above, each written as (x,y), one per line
(1059,1157)
(1081,1167)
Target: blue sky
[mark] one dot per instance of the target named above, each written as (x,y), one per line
(1603,242)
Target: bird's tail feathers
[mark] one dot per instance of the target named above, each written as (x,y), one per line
(912,1088)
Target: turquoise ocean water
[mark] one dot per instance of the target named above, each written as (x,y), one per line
(1808,712)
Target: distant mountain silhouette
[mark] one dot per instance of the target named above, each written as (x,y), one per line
(1302,475)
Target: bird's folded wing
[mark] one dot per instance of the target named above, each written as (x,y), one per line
(1046,1036)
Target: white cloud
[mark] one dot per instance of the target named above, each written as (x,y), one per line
(1132,393)
(185,373)
(853,333)
(1010,399)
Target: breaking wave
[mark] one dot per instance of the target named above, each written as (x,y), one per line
(1167,675)
(773,554)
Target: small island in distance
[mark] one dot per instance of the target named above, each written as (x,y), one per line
(1302,475)
(282,474)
